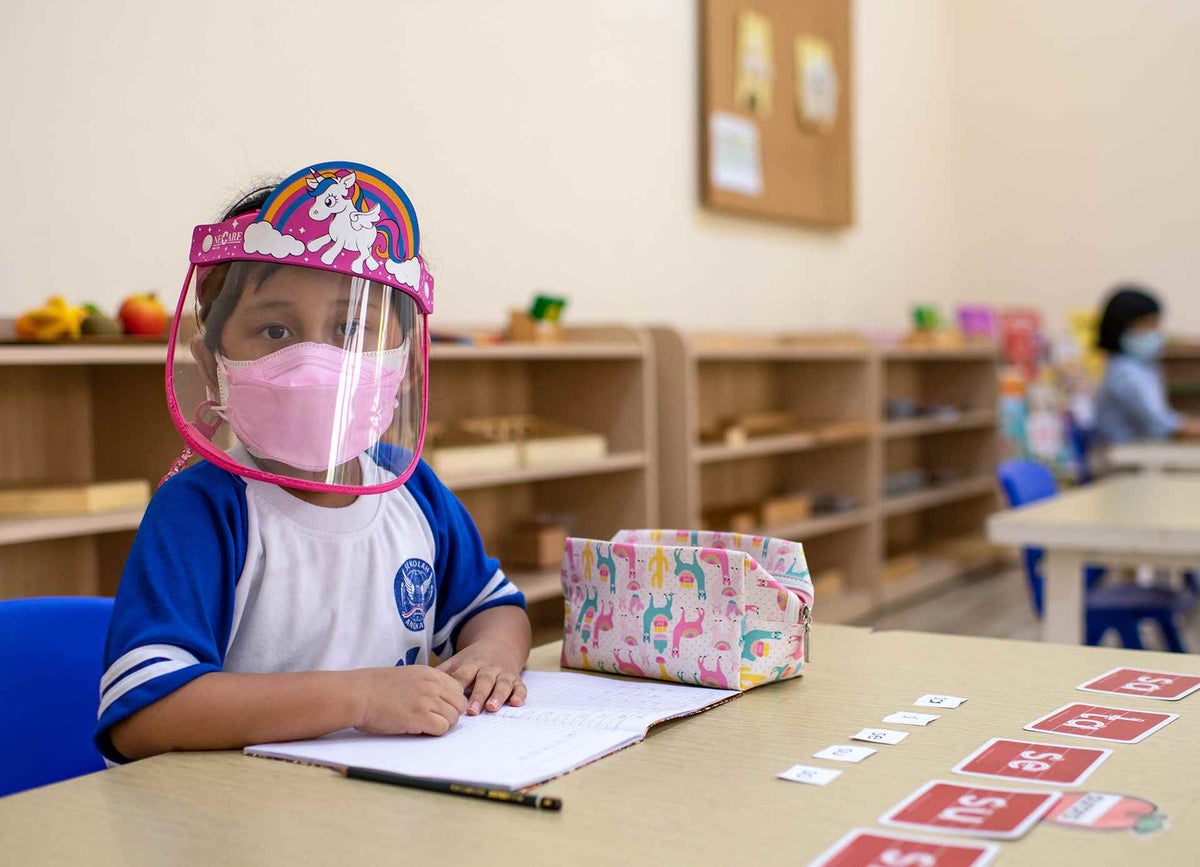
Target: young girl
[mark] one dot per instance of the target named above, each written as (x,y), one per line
(1132,403)
(297,580)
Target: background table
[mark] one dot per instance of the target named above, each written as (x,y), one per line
(699,791)
(1155,456)
(1147,519)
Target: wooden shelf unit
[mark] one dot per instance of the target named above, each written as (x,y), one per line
(71,415)
(834,379)
(1181,370)
(831,386)
(97,412)
(958,453)
(600,379)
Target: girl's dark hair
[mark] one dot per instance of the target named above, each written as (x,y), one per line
(1125,304)
(220,289)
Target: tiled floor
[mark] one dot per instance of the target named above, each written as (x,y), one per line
(998,606)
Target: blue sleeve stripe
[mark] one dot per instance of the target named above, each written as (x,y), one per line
(142,675)
(497,581)
(139,655)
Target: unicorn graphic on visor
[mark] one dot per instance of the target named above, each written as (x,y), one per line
(354,224)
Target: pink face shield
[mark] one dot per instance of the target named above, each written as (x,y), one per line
(305,363)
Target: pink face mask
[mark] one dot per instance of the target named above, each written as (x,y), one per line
(311,406)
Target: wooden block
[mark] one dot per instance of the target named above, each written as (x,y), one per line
(541,443)
(786,509)
(844,430)
(454,451)
(523,328)
(967,552)
(535,545)
(901,566)
(74,499)
(741,519)
(830,582)
(759,424)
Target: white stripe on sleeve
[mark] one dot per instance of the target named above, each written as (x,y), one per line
(142,675)
(138,655)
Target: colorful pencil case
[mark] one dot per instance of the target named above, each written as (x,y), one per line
(723,610)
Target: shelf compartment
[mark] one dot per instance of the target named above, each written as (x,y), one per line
(937,565)
(848,606)
(818,525)
(971,352)
(611,464)
(840,469)
(535,352)
(771,445)
(540,585)
(927,499)
(967,420)
(58,354)
(18,530)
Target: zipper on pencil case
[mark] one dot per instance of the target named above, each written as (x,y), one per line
(806,619)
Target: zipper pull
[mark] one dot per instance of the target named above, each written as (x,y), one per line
(806,613)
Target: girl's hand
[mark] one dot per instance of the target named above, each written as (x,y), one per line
(488,671)
(407,700)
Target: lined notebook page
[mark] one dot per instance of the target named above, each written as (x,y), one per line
(570,719)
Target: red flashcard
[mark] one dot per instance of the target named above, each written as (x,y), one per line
(862,848)
(951,808)
(1033,762)
(1122,725)
(1162,685)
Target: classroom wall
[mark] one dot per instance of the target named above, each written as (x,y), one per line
(1005,152)
(1079,163)
(548,145)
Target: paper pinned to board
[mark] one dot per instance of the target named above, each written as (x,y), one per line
(735,154)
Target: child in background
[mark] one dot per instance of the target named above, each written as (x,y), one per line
(297,582)
(1131,403)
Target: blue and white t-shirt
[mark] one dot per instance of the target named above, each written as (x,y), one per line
(233,574)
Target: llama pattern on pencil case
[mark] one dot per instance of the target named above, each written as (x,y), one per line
(686,606)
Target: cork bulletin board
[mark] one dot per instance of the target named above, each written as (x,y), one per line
(776,109)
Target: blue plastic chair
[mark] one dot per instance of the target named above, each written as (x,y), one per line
(1080,438)
(51,660)
(1120,608)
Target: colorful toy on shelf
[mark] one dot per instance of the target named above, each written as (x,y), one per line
(143,315)
(542,323)
(929,329)
(1021,338)
(926,318)
(978,322)
(53,321)
(1012,414)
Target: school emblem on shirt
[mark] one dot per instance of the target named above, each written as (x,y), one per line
(414,593)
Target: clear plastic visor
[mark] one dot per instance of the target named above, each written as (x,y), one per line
(297,375)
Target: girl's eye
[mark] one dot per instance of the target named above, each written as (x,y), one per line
(275,332)
(348,328)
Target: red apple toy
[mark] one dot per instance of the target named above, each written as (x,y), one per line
(143,315)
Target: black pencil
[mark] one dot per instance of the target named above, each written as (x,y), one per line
(502,796)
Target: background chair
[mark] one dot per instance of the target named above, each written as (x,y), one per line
(51,659)
(1120,608)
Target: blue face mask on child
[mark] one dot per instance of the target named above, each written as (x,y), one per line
(1142,345)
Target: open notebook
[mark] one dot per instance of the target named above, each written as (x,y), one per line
(568,720)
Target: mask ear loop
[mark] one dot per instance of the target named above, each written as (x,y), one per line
(206,428)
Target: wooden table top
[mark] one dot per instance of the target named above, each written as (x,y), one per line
(697,791)
(1168,455)
(1124,514)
